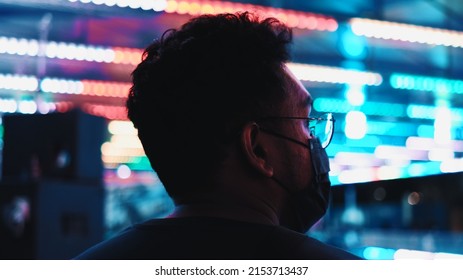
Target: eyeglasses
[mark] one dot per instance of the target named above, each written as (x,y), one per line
(321,127)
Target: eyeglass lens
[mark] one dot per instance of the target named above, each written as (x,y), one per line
(322,128)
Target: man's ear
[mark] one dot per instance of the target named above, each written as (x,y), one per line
(255,150)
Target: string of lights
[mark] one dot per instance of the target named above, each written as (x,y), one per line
(294,19)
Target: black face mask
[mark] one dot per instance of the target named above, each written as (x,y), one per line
(309,205)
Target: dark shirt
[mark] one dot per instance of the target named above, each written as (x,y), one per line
(211,239)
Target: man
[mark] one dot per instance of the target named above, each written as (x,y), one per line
(225,125)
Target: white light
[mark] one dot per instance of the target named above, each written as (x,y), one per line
(12,46)
(388,172)
(413,254)
(18,46)
(110,3)
(33,48)
(327,74)
(356,125)
(442,125)
(406,32)
(123,171)
(452,165)
(8,105)
(70,51)
(447,256)
(22,47)
(147,5)
(355,94)
(3,44)
(43,107)
(100,55)
(122,127)
(357,175)
(122,3)
(399,153)
(159,5)
(61,86)
(108,55)
(51,50)
(134,4)
(27,107)
(16,82)
(62,50)
(440,154)
(423,255)
(80,52)
(356,159)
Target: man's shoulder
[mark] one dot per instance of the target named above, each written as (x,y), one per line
(302,246)
(211,238)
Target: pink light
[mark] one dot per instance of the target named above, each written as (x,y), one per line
(427,144)
(106,111)
(108,89)
(357,159)
(399,152)
(292,18)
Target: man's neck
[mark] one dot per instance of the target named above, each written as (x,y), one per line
(227,209)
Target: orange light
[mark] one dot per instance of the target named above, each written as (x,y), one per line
(127,56)
(172,6)
(108,89)
(106,111)
(183,8)
(207,9)
(195,8)
(294,19)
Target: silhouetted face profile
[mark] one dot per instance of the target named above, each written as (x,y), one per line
(302,166)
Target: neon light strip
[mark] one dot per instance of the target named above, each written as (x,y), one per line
(156,5)
(423,255)
(106,111)
(85,87)
(425,83)
(336,105)
(399,152)
(357,159)
(122,127)
(18,82)
(305,72)
(70,51)
(336,75)
(429,112)
(421,143)
(294,19)
(406,32)
(9,105)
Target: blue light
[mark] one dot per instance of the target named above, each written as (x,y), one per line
(426,131)
(351,45)
(378,253)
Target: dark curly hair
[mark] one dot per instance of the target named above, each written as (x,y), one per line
(198,85)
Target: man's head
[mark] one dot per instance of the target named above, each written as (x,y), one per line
(198,86)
